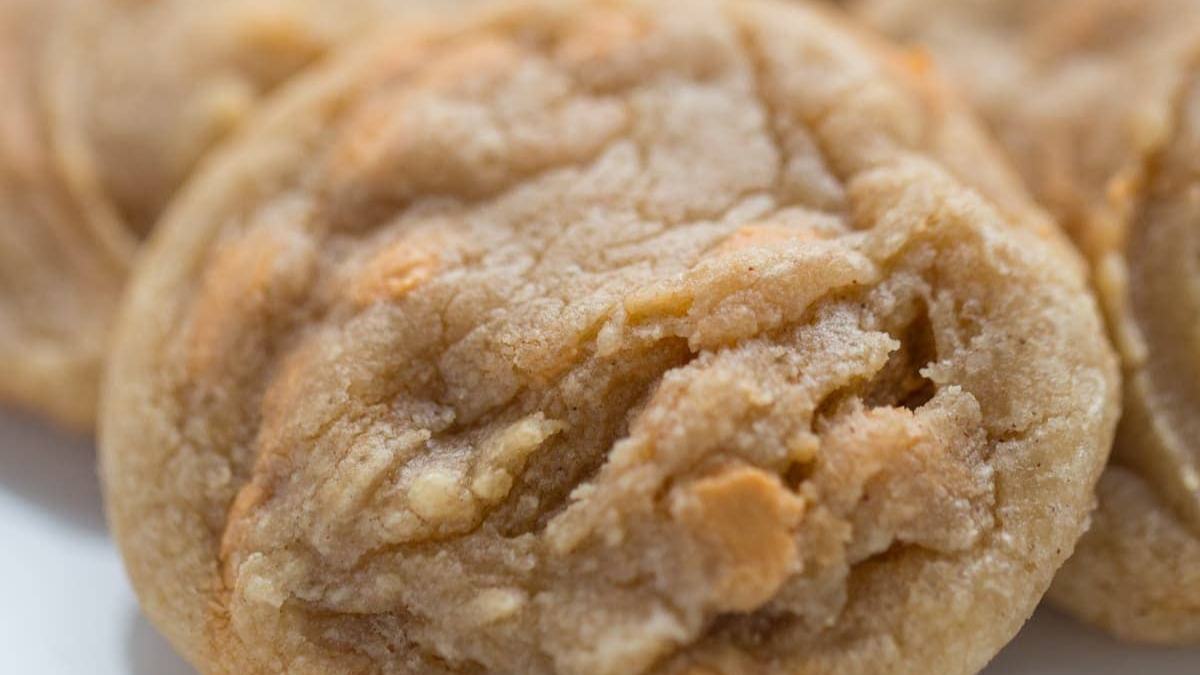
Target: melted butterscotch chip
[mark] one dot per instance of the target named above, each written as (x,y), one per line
(1099,103)
(745,519)
(394,272)
(604,338)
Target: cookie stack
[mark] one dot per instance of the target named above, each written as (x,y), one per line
(616,337)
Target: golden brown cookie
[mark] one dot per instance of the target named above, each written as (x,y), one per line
(59,279)
(605,338)
(107,108)
(1099,103)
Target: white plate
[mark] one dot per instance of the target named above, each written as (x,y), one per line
(66,608)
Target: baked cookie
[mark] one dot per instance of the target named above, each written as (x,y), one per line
(1099,103)
(108,107)
(59,279)
(605,337)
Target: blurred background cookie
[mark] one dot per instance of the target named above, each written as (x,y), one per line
(59,277)
(605,338)
(113,103)
(1098,101)
(139,91)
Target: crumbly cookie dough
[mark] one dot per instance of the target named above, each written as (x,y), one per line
(1098,101)
(604,338)
(59,279)
(108,108)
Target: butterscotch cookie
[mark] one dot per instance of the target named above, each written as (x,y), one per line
(59,279)
(107,108)
(605,338)
(1099,103)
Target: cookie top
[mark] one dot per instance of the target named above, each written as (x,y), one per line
(600,337)
(59,279)
(1099,102)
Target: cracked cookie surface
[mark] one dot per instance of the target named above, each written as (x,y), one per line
(596,338)
(1099,104)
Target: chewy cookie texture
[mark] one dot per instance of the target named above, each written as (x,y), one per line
(109,105)
(1098,102)
(604,338)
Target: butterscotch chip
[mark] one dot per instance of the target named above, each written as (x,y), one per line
(1099,103)
(711,341)
(743,519)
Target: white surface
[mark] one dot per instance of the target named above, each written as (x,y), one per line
(66,609)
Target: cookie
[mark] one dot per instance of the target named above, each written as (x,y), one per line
(605,338)
(141,91)
(112,105)
(1099,103)
(59,279)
